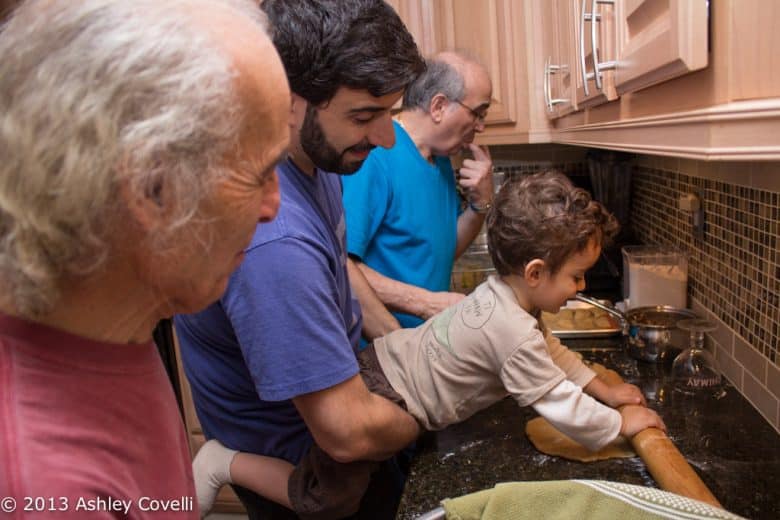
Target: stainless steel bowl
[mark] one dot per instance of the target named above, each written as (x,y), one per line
(650,333)
(653,334)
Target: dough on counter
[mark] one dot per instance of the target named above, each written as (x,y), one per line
(550,441)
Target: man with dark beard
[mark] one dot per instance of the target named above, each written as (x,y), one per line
(272,364)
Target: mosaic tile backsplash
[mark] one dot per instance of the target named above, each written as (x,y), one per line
(734,268)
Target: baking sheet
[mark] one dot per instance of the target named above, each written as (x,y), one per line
(581,320)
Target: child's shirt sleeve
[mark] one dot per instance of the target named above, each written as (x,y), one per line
(575,370)
(579,416)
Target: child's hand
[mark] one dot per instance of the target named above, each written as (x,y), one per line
(637,418)
(624,393)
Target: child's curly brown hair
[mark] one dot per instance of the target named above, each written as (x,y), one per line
(544,216)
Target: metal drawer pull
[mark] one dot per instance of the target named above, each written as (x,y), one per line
(548,70)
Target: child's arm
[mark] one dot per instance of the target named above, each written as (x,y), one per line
(579,416)
(589,422)
(571,364)
(583,376)
(615,395)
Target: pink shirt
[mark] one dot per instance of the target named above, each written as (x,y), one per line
(88,429)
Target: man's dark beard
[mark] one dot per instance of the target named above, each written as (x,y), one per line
(320,151)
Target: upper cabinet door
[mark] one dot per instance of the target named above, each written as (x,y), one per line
(418,15)
(556,32)
(754,61)
(595,45)
(659,40)
(485,29)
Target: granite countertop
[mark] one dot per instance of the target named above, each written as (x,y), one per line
(725,440)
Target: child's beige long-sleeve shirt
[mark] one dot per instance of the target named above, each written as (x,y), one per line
(483,349)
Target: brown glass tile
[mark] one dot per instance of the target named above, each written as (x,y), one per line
(735,271)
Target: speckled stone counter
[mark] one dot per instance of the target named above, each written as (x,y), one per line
(731,447)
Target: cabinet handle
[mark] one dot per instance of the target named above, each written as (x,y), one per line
(598,67)
(592,17)
(583,14)
(549,69)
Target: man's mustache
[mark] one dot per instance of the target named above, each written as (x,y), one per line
(362,147)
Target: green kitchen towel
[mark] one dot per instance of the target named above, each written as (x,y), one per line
(566,499)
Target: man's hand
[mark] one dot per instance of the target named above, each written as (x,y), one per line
(475,177)
(438,301)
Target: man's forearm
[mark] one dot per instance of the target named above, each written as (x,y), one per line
(350,423)
(377,320)
(390,430)
(397,296)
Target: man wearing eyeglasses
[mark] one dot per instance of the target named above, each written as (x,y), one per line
(406,223)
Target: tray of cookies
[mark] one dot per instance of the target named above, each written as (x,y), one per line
(581,320)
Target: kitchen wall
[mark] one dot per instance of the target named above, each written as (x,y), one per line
(734,268)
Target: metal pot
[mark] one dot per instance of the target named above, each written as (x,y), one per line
(650,333)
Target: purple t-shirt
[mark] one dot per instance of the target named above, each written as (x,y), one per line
(287,324)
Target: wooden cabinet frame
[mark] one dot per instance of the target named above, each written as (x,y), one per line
(659,40)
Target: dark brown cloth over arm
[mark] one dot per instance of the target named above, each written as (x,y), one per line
(321,488)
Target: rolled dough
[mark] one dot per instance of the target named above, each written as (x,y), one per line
(550,441)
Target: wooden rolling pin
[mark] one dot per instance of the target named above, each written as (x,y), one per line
(664,461)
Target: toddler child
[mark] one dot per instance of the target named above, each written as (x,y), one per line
(543,234)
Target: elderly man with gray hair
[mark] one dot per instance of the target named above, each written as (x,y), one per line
(138,143)
(405,224)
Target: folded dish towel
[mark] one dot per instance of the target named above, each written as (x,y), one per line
(566,499)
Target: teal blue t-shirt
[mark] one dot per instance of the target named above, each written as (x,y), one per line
(401,214)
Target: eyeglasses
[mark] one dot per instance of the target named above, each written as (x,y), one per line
(478,116)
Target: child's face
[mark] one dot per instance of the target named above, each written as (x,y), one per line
(553,291)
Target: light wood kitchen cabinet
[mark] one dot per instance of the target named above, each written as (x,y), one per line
(417,15)
(557,38)
(755,56)
(659,40)
(595,50)
(688,81)
(620,46)
(728,110)
(495,31)
(485,30)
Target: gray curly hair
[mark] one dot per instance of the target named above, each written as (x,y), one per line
(94,93)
